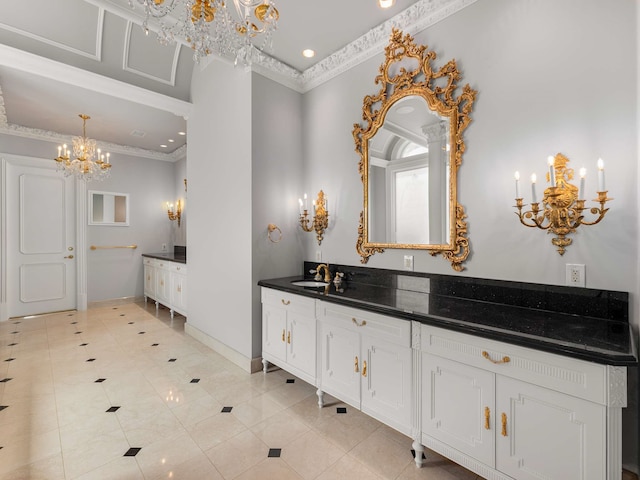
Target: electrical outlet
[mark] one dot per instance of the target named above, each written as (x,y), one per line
(408,262)
(575,275)
(318,255)
(164,247)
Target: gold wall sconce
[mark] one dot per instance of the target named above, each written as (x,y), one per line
(320,216)
(561,212)
(174,215)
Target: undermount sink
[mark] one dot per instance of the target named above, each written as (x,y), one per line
(309,283)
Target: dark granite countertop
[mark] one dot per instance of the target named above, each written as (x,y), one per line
(601,340)
(173,257)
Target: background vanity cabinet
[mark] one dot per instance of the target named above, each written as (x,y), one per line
(366,361)
(289,333)
(508,412)
(166,282)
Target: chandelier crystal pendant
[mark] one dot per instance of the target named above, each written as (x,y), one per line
(209,26)
(84,149)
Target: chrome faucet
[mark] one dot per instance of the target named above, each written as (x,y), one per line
(327,273)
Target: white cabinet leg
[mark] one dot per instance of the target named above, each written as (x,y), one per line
(419,449)
(320,394)
(171,313)
(265,365)
(157,305)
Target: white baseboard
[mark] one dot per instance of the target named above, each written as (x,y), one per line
(250,365)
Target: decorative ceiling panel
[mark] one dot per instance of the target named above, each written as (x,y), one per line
(54,23)
(145,56)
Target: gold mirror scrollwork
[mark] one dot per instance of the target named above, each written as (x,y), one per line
(408,72)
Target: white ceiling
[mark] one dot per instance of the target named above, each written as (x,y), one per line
(62,58)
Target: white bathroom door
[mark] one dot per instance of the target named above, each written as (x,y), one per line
(41,256)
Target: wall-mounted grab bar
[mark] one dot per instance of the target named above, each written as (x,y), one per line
(94,247)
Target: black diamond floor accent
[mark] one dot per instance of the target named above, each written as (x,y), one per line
(112,409)
(12,344)
(73,323)
(5,380)
(132,452)
(2,407)
(274,452)
(122,314)
(100,380)
(131,323)
(16,323)
(172,359)
(413,453)
(291,380)
(155,344)
(226,409)
(141,333)
(13,333)
(194,380)
(115,308)
(9,359)
(84,344)
(341,409)
(70,315)
(77,333)
(91,360)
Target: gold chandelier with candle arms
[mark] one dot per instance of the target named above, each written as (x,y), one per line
(562,208)
(83,167)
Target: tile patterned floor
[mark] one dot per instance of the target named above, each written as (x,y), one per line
(120,392)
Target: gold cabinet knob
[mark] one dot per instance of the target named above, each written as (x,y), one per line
(283,335)
(285,302)
(504,359)
(364,368)
(504,424)
(69,256)
(356,367)
(487,417)
(289,338)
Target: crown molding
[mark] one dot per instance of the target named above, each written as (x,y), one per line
(57,138)
(414,19)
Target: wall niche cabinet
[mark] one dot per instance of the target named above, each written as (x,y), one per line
(165,282)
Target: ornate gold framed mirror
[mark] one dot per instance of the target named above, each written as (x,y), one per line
(411,148)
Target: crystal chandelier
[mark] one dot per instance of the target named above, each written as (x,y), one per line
(84,150)
(210,27)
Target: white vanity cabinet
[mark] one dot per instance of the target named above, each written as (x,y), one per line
(289,333)
(166,283)
(366,361)
(509,412)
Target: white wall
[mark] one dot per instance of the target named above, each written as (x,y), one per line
(220,225)
(117,273)
(179,233)
(552,77)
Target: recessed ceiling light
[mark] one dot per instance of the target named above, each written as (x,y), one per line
(182,133)
(405,109)
(308,53)
(386,3)
(171,140)
(163,146)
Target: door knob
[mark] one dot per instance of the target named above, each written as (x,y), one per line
(69,256)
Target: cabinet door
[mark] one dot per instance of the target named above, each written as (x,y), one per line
(274,331)
(163,284)
(547,434)
(387,382)
(149,281)
(179,293)
(341,363)
(301,342)
(458,406)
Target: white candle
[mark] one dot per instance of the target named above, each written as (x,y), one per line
(552,170)
(59,150)
(314,207)
(306,203)
(108,155)
(517,175)
(533,188)
(583,173)
(300,202)
(601,175)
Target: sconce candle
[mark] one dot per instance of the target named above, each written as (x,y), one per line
(562,208)
(552,170)
(533,188)
(601,176)
(517,176)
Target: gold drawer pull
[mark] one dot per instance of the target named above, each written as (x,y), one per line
(359,324)
(486,355)
(364,368)
(283,335)
(487,417)
(285,302)
(504,424)
(356,368)
(289,338)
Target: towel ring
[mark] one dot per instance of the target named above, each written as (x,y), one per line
(272,228)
